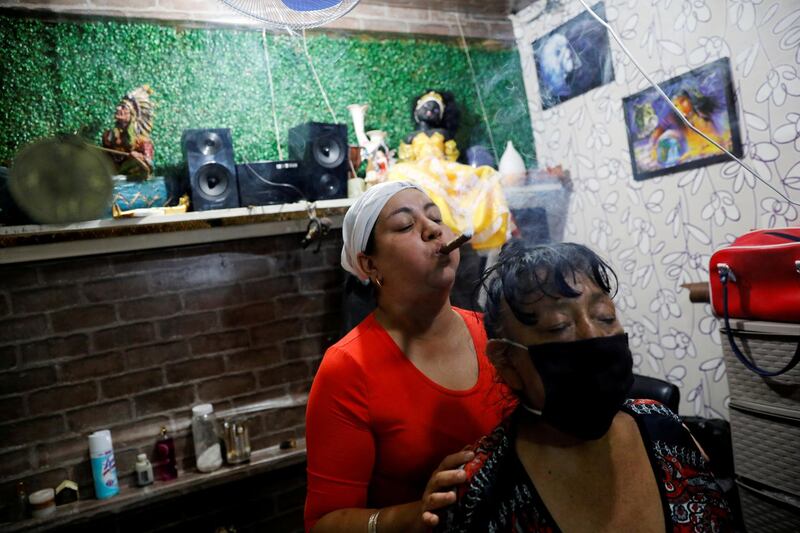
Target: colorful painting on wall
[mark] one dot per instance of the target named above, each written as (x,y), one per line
(573,58)
(661,143)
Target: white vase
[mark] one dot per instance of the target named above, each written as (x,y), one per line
(358,111)
(512,167)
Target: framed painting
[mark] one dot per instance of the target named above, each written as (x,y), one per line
(573,58)
(661,143)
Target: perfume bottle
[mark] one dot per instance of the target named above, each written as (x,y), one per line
(164,457)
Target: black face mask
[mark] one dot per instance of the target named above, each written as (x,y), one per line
(585,383)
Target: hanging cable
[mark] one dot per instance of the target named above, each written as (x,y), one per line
(272,93)
(674,108)
(316,78)
(477,89)
(325,98)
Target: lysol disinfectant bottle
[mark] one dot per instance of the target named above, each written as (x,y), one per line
(104,468)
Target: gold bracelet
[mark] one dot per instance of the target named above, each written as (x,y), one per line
(372,523)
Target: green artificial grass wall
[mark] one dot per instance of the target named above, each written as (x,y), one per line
(68,76)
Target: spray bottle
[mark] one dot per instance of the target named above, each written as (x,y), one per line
(104,467)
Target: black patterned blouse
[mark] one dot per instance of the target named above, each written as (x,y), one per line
(500,497)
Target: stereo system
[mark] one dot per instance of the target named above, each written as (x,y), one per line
(317,171)
(322,151)
(269,182)
(212,171)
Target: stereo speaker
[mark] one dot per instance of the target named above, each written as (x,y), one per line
(322,151)
(269,182)
(212,170)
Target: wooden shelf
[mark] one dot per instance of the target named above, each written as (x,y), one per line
(261,461)
(19,244)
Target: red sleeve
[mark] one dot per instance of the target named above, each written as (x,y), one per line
(474,321)
(340,445)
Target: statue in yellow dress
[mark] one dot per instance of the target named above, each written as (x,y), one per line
(469,198)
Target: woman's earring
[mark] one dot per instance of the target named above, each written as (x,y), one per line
(378,282)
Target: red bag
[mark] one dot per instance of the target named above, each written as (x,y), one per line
(762,274)
(757,277)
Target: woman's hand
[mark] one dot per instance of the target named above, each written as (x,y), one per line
(440,491)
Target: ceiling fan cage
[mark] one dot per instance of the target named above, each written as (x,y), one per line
(292,14)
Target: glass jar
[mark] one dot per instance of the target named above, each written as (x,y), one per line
(207,449)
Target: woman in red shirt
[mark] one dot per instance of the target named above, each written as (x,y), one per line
(406,387)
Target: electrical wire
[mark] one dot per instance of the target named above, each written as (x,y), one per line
(477,89)
(316,78)
(674,108)
(272,93)
(325,98)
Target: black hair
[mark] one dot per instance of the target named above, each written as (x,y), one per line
(522,272)
(450,117)
(369,249)
(702,104)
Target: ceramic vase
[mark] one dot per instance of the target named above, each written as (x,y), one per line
(512,167)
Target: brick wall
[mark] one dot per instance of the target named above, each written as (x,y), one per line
(368,16)
(131,341)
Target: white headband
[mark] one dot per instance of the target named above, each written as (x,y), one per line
(361,218)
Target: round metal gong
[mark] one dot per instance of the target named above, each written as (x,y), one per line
(61,179)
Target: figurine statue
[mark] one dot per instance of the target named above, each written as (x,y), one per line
(436,116)
(128,141)
(373,147)
(469,198)
(380,160)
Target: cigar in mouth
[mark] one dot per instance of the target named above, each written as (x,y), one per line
(455,243)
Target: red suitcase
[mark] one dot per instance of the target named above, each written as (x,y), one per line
(764,278)
(757,277)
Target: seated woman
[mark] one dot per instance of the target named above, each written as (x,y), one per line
(576,455)
(406,387)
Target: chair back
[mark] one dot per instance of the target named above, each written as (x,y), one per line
(645,387)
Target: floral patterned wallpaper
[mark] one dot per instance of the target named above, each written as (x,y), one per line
(660,233)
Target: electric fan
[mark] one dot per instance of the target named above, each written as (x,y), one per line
(292,14)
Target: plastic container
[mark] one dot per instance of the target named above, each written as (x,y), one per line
(144,470)
(207,447)
(42,503)
(104,467)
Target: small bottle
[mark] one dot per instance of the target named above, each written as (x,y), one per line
(104,467)
(207,449)
(21,511)
(144,470)
(237,441)
(166,467)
